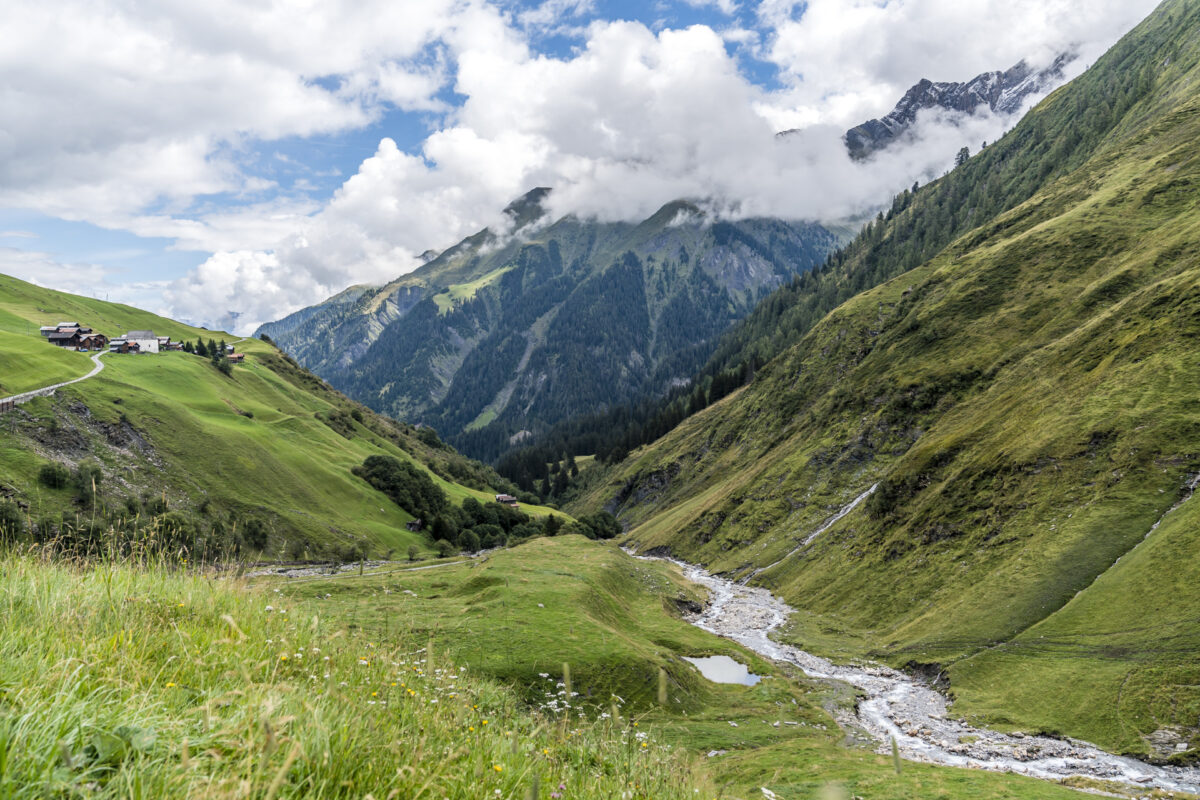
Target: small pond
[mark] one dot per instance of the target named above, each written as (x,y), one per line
(723,669)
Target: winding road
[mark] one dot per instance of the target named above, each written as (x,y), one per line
(45,391)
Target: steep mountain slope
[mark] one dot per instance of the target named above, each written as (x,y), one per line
(920,223)
(1000,92)
(262,456)
(966,459)
(499,336)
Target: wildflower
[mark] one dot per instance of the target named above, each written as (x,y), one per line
(485,722)
(283,657)
(180,605)
(498,768)
(270,608)
(170,685)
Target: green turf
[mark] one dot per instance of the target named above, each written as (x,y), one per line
(458,293)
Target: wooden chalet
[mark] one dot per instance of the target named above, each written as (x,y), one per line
(68,338)
(236,358)
(507,500)
(93,341)
(123,345)
(65,334)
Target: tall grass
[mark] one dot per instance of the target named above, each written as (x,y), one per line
(151,681)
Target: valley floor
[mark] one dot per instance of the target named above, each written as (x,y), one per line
(518,615)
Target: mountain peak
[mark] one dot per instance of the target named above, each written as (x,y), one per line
(528,208)
(1002,92)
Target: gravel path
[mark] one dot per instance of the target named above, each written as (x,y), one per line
(46,391)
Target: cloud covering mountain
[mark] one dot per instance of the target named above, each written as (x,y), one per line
(176,123)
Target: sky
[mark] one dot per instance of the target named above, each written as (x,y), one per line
(229,162)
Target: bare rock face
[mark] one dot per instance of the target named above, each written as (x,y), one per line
(1000,92)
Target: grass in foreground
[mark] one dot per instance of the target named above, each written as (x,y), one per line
(128,682)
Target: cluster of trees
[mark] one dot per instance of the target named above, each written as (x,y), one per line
(213,350)
(409,486)
(473,526)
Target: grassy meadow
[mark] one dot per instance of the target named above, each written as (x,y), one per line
(159,683)
(517,615)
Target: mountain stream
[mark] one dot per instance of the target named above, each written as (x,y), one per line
(915,714)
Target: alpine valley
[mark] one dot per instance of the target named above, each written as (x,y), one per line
(691,506)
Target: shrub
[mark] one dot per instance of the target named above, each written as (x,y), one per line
(88,478)
(54,475)
(255,532)
(12,524)
(413,551)
(444,548)
(602,524)
(295,549)
(468,540)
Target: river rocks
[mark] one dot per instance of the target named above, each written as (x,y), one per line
(913,713)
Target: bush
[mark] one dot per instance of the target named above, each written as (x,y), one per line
(255,532)
(88,477)
(54,475)
(444,548)
(413,551)
(468,540)
(12,524)
(603,525)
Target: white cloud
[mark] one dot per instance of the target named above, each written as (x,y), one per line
(112,106)
(853,58)
(724,6)
(141,112)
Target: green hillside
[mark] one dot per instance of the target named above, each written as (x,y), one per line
(262,456)
(500,337)
(1025,401)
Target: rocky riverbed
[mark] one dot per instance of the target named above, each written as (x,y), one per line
(900,706)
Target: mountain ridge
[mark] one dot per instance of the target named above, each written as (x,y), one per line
(502,334)
(1001,92)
